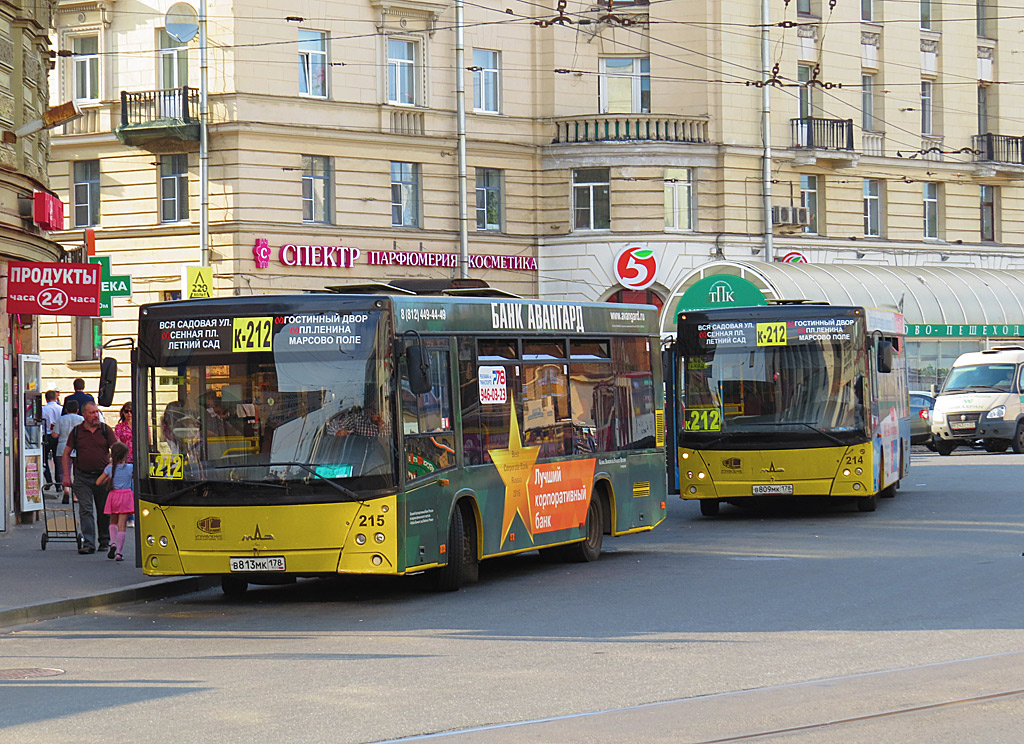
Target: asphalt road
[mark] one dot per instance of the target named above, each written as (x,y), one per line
(786,623)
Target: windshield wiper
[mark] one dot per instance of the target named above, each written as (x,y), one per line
(209,482)
(810,426)
(346,492)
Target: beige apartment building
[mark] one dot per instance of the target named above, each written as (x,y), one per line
(592,128)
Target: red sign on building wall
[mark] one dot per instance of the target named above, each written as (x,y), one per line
(47,211)
(53,288)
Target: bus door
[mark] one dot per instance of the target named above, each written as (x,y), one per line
(428,455)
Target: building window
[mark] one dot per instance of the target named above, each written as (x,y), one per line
(872,208)
(638,297)
(931,210)
(988,212)
(982,109)
(983,20)
(86,64)
(405,194)
(170,295)
(867,102)
(679,207)
(806,7)
(488,199)
(624,86)
(312,63)
(87,193)
(401,72)
(805,92)
(88,339)
(927,91)
(173,188)
(486,81)
(867,10)
(316,189)
(926,13)
(173,62)
(809,200)
(591,199)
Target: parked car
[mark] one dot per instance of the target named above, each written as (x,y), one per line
(921,404)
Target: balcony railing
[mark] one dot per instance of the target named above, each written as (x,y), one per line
(872,143)
(152,106)
(630,128)
(999,148)
(822,134)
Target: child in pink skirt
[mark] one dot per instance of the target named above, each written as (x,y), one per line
(121,499)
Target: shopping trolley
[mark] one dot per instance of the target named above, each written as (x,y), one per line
(60,520)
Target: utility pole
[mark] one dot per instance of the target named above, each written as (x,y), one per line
(460,99)
(204,144)
(766,133)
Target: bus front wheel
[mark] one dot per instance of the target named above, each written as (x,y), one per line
(867,503)
(590,549)
(709,507)
(462,567)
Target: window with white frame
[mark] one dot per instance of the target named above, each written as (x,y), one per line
(988,212)
(173,188)
(591,199)
(86,193)
(624,85)
(488,199)
(927,101)
(867,102)
(85,60)
(679,199)
(173,56)
(312,63)
(401,72)
(809,200)
(931,209)
(872,207)
(316,189)
(486,81)
(405,194)
(805,92)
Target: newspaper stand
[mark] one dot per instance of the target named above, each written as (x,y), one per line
(60,521)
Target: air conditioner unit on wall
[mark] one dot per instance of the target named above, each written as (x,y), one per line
(801,216)
(782,215)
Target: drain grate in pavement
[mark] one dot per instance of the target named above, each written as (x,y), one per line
(6,674)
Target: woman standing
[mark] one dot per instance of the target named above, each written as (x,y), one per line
(123,430)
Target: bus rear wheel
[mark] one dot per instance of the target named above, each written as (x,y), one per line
(709,507)
(462,567)
(589,549)
(233,586)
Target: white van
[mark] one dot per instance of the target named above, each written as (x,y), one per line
(982,399)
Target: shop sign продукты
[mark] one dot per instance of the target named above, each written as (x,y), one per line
(53,288)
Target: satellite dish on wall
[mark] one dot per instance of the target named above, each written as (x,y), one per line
(181,22)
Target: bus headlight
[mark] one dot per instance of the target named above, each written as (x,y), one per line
(360,539)
(997,413)
(379,537)
(689,474)
(150,540)
(859,471)
(163,542)
(686,455)
(846,473)
(700,476)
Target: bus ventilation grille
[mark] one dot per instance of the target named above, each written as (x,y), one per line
(659,427)
(641,489)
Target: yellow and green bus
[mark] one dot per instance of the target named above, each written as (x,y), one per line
(391,433)
(791,399)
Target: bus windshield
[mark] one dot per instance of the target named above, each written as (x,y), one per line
(308,418)
(982,378)
(809,394)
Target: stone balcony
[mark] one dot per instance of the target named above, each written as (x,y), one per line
(591,128)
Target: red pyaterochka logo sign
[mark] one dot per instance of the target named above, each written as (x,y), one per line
(53,288)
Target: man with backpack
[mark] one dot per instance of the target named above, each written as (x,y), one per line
(90,441)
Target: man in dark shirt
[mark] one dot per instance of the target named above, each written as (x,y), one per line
(80,395)
(91,442)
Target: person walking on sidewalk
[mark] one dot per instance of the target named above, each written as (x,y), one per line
(65,424)
(121,499)
(51,414)
(91,440)
(79,395)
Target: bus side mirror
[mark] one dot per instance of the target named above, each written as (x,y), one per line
(108,381)
(885,355)
(419,369)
